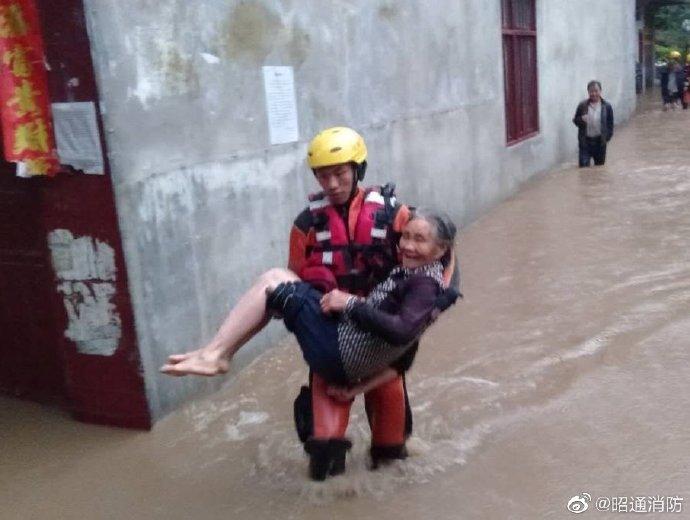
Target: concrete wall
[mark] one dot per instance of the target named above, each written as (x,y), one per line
(206,202)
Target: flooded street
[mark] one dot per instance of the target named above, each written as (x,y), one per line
(566,370)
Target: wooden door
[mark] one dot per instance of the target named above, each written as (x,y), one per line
(30,359)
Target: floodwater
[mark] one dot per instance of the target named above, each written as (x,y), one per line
(565,371)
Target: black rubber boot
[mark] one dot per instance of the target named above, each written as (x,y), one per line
(326,457)
(319,458)
(384,454)
(339,449)
(304,417)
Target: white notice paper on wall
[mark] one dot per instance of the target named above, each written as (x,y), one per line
(77,137)
(279,85)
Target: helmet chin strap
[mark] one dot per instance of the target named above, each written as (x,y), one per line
(358,171)
(355,181)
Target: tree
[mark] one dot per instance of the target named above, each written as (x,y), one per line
(668,26)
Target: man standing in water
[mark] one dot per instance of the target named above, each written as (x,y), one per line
(347,238)
(594,121)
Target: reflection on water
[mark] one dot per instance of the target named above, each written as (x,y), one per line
(565,370)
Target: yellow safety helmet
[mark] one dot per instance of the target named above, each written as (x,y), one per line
(674,55)
(338,145)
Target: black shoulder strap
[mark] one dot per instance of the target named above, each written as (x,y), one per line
(319,195)
(304,220)
(388,190)
(386,216)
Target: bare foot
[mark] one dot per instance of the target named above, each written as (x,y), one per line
(198,362)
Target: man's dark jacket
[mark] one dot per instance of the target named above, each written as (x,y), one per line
(606,121)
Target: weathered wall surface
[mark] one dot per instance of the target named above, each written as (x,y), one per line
(206,202)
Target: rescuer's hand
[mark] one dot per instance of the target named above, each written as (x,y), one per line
(342,393)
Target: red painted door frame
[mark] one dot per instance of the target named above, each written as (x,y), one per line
(104,389)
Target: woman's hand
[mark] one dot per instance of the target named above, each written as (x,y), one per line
(334,301)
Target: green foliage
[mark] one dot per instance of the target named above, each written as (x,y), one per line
(661,51)
(668,21)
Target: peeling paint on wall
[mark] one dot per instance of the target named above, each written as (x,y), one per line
(163,67)
(81,258)
(85,270)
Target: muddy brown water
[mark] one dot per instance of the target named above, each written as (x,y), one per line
(565,371)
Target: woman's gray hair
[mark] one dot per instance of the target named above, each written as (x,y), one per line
(443,226)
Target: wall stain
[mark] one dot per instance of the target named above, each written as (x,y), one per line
(251,31)
(298,46)
(388,11)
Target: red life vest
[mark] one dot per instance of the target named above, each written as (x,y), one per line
(362,262)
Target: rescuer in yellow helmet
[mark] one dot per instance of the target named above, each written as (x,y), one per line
(332,152)
(347,238)
(674,55)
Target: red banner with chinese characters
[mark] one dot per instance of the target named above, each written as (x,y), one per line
(27,126)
